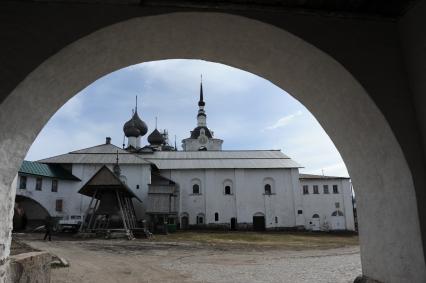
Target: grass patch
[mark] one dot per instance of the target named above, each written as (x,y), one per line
(288,240)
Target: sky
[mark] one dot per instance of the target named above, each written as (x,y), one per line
(245,110)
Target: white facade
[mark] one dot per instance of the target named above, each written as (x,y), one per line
(327,203)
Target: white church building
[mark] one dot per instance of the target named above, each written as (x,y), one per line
(201,186)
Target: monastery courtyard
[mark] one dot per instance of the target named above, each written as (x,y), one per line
(206,257)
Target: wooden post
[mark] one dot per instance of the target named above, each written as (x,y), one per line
(87,211)
(121,210)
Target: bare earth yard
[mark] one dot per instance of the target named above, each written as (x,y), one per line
(206,257)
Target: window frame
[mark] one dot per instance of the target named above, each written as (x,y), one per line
(23,185)
(267,189)
(198,188)
(59,205)
(325,189)
(54,188)
(216,216)
(39,184)
(305,189)
(315,190)
(335,189)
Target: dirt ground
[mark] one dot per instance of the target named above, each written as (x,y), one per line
(195,257)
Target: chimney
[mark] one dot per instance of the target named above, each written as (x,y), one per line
(108,140)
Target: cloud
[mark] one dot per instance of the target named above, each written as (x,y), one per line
(284,121)
(240,107)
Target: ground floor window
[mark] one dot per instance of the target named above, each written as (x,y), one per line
(216,216)
(200,219)
(59,205)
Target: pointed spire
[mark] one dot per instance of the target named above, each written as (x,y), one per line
(175,143)
(156,120)
(201,101)
(136,108)
(116,169)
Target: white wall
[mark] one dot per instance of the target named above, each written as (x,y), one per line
(47,198)
(325,204)
(247,196)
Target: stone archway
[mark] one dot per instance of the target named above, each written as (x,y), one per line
(25,220)
(380,174)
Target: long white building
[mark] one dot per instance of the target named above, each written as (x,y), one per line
(201,186)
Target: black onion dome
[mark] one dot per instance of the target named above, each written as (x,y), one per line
(196,132)
(135,127)
(143,128)
(156,138)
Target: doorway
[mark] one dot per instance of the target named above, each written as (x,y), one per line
(233,223)
(259,223)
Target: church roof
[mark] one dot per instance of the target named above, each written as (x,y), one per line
(251,159)
(107,153)
(100,154)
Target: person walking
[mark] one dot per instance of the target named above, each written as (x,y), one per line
(48,227)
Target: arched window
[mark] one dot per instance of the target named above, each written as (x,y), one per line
(268,189)
(337,213)
(196,186)
(315,216)
(268,186)
(216,216)
(227,187)
(196,189)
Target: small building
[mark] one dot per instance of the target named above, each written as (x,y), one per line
(43,190)
(327,202)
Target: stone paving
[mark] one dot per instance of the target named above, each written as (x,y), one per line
(143,261)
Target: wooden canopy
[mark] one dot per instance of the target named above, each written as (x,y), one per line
(105,180)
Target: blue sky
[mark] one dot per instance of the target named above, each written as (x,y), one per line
(246,111)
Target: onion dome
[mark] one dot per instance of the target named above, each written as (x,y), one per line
(156,138)
(135,127)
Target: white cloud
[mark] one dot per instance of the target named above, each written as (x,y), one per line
(284,121)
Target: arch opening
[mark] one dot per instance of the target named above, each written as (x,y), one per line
(375,161)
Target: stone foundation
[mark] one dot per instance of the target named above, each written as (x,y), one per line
(29,267)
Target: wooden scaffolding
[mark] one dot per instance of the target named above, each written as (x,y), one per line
(111,207)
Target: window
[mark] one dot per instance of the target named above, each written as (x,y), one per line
(196,189)
(268,189)
(325,187)
(335,189)
(305,189)
(39,182)
(337,204)
(300,211)
(59,204)
(276,219)
(316,189)
(227,190)
(54,185)
(23,182)
(200,219)
(137,187)
(216,216)
(315,216)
